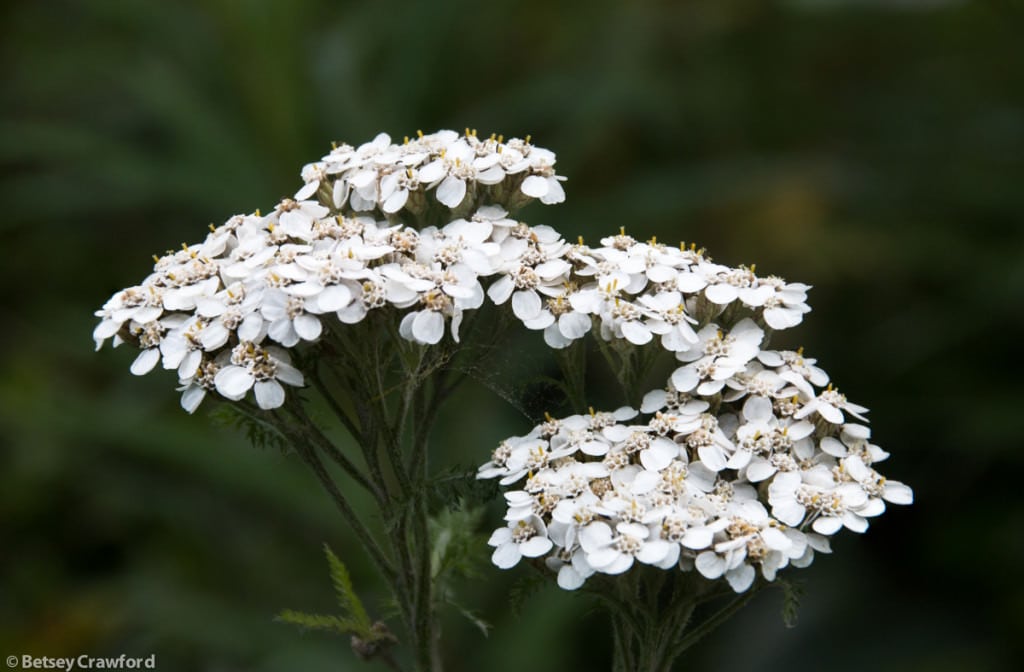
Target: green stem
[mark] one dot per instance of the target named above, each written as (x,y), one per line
(712,622)
(323,443)
(310,457)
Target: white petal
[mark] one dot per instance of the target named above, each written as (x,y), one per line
(594,536)
(830,413)
(395,201)
(759,469)
(721,294)
(501,289)
(659,455)
(740,578)
(233,381)
(789,512)
(451,191)
(428,327)
(574,325)
(145,362)
(854,522)
(191,398)
(569,578)
(636,333)
(710,565)
(535,186)
(712,457)
(685,378)
(307,327)
(653,551)
(757,409)
(333,298)
(251,327)
(190,364)
(307,191)
(283,331)
(782,318)
(555,192)
(698,538)
(269,394)
(507,555)
(775,539)
(826,524)
(526,304)
(897,493)
(286,373)
(535,546)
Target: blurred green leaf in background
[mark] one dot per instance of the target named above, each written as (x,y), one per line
(871,148)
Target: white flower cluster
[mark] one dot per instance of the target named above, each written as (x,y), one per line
(754,473)
(224,312)
(744,461)
(391,177)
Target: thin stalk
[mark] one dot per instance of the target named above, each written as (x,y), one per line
(325,444)
(712,622)
(310,457)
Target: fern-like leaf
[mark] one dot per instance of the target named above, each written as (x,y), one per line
(324,622)
(349,602)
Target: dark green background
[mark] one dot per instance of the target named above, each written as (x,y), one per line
(872,149)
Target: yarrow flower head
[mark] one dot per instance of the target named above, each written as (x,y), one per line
(746,462)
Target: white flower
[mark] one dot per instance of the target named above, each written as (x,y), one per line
(717,356)
(830,405)
(666,317)
(288,319)
(613,551)
(794,495)
(259,369)
(527,537)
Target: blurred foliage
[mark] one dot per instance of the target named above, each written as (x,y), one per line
(872,148)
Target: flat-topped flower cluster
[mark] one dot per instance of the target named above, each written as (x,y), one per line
(752,474)
(742,463)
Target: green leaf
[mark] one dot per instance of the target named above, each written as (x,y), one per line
(260,433)
(483,626)
(523,589)
(318,622)
(456,546)
(349,602)
(791,594)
